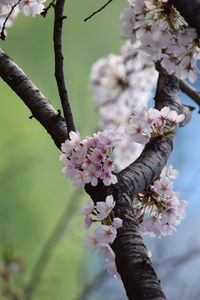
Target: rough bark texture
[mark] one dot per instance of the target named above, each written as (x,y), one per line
(39,106)
(190,91)
(133,264)
(190,10)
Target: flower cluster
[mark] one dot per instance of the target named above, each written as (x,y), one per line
(164,35)
(86,161)
(104,234)
(122,83)
(159,210)
(153,123)
(27,7)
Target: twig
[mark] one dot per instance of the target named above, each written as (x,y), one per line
(2,34)
(50,245)
(191,92)
(59,73)
(46,9)
(97,11)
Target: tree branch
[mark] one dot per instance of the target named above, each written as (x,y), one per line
(191,92)
(98,10)
(59,73)
(39,106)
(2,33)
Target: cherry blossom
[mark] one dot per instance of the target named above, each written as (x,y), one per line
(174,118)
(92,242)
(158,210)
(87,161)
(170,172)
(106,251)
(134,79)
(104,208)
(117,223)
(112,269)
(31,7)
(164,35)
(87,211)
(163,186)
(105,234)
(145,124)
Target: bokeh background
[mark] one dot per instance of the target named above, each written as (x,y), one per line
(39,209)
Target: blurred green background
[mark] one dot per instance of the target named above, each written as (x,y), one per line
(33,192)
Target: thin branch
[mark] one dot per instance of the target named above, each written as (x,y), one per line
(39,106)
(50,245)
(97,11)
(2,34)
(59,73)
(46,9)
(190,91)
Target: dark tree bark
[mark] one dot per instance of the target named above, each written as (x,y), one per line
(39,106)
(59,67)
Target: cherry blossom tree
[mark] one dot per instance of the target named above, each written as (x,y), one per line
(123,166)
